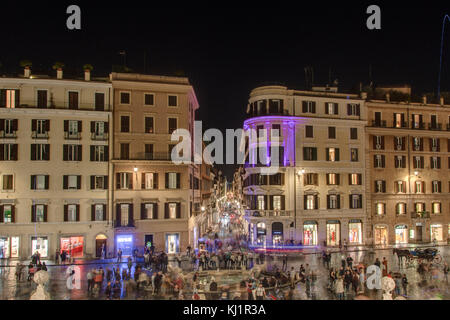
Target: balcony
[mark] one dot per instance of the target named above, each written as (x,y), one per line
(99,136)
(72,135)
(420,215)
(39,135)
(418,125)
(379,124)
(268,213)
(8,135)
(435,126)
(400,125)
(124,223)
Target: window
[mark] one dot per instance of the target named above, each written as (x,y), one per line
(149,211)
(276,130)
(99,153)
(399,120)
(172,125)
(354,154)
(99,182)
(172,180)
(72,152)
(8,182)
(355,179)
(124,98)
(417,121)
(124,180)
(311,179)
(308,107)
(9,127)
(400,208)
(260,132)
(99,101)
(9,98)
(380,186)
(332,154)
(8,152)
(400,186)
(172,210)
(149,99)
(379,161)
(99,214)
(173,101)
(124,123)
(148,151)
(332,179)
(40,213)
(399,143)
(8,212)
(419,207)
(149,180)
(333,201)
(436,207)
(71,182)
(261,203)
(378,142)
(124,151)
(309,154)
(355,201)
(310,202)
(435,162)
(420,187)
(400,162)
(149,125)
(331,108)
(417,144)
(380,208)
(42,99)
(435,145)
(436,186)
(309,132)
(275,106)
(419,162)
(40,152)
(331,132)
(39,182)
(40,128)
(353,109)
(71,212)
(354,133)
(73,100)
(99,129)
(277,203)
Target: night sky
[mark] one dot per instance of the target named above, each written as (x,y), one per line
(226,48)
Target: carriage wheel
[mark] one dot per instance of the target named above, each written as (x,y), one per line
(437,259)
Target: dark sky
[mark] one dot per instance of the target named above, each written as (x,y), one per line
(228,48)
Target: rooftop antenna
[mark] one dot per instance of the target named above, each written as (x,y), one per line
(446,17)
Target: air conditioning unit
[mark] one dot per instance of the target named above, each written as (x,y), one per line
(378,146)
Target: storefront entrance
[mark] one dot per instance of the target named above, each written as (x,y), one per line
(401,234)
(148,240)
(310,233)
(172,243)
(124,242)
(333,233)
(277,233)
(39,244)
(355,232)
(100,246)
(261,233)
(381,235)
(73,246)
(436,232)
(419,237)
(9,247)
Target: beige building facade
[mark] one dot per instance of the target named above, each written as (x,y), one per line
(54,167)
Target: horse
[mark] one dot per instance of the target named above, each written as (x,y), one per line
(402,254)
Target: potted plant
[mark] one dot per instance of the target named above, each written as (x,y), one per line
(26,65)
(58,66)
(87,71)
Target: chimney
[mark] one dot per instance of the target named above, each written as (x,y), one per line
(59,73)
(87,75)
(27,72)
(388,97)
(363,95)
(442,101)
(424,99)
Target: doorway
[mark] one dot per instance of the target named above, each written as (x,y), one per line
(148,240)
(100,243)
(419,233)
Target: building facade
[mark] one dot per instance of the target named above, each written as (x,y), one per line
(153,198)
(408,148)
(54,166)
(317,194)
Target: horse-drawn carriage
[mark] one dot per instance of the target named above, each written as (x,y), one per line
(428,254)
